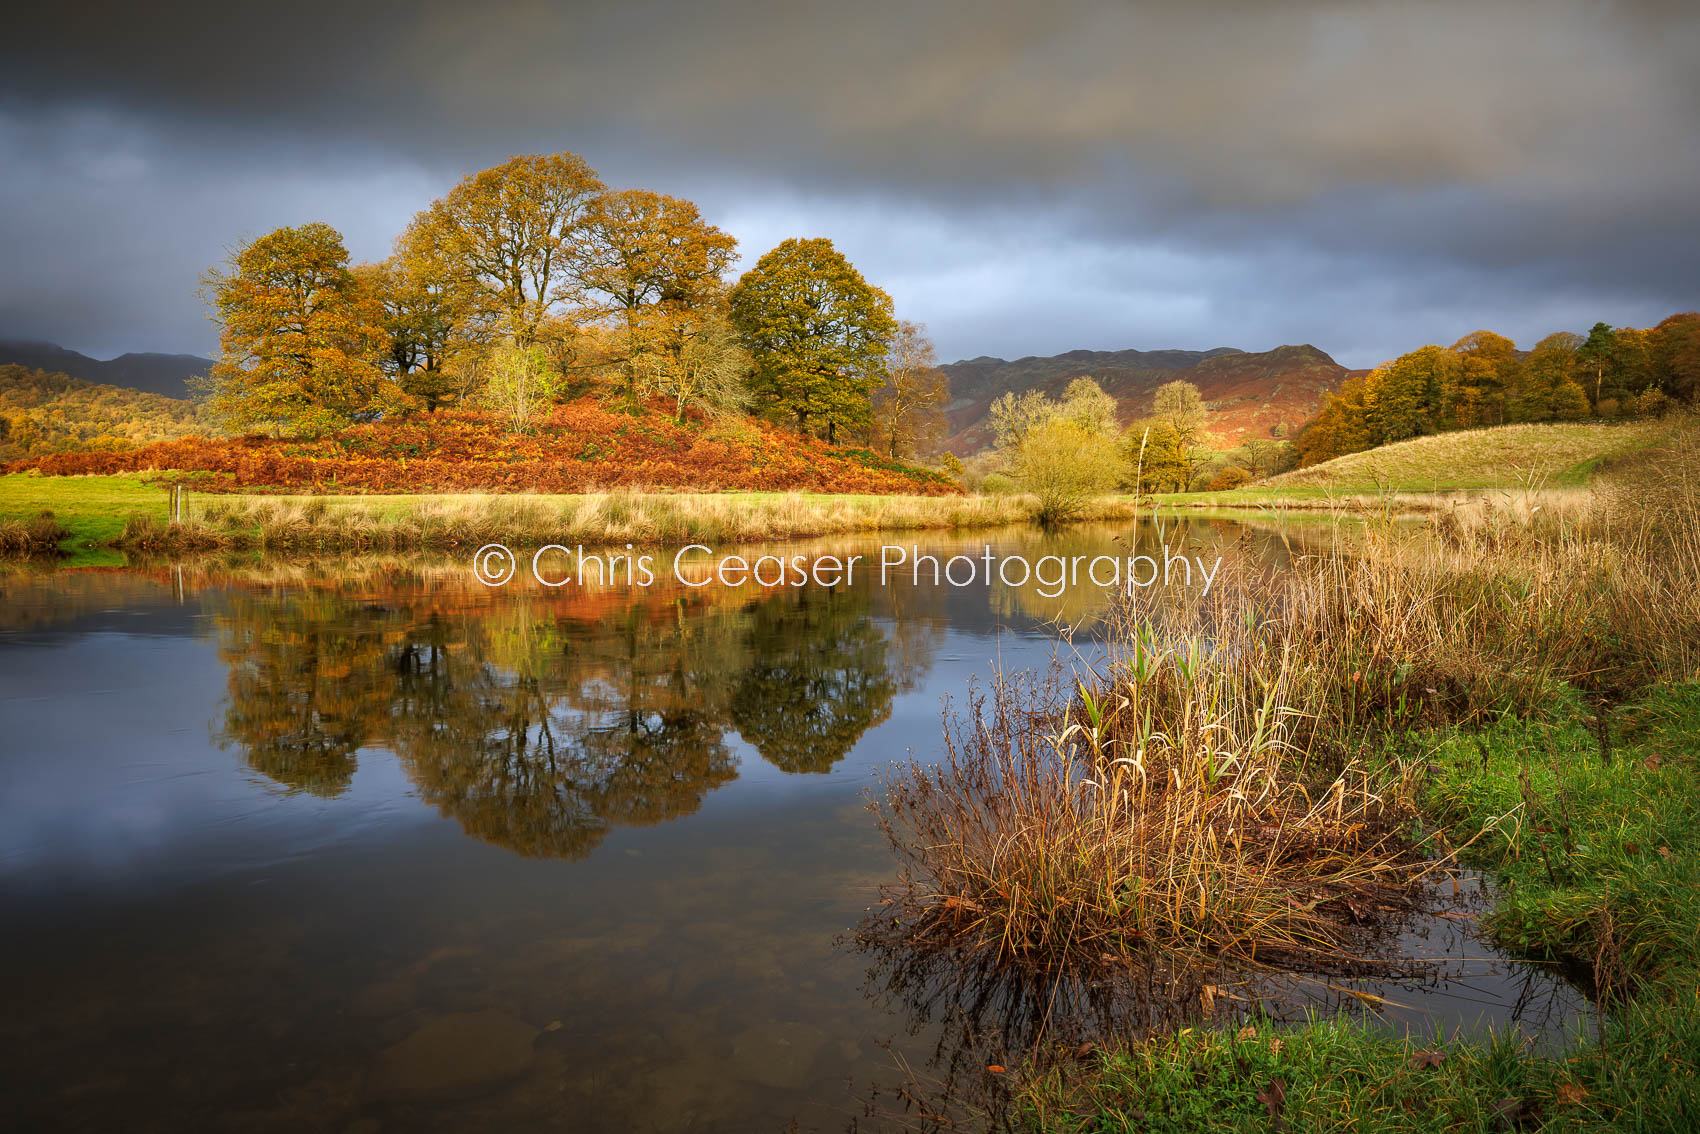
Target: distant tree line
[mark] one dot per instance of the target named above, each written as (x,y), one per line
(532,283)
(1483,379)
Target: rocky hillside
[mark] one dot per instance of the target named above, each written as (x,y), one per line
(1250,394)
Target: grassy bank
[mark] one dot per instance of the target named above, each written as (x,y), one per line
(1599,861)
(125,511)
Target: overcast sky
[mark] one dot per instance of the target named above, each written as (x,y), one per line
(1024,178)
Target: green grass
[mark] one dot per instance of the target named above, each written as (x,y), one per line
(1562,454)
(1510,458)
(1599,864)
(92,508)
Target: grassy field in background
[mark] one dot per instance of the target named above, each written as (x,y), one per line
(94,508)
(1560,454)
(1505,459)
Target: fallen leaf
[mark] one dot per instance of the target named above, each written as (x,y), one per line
(1510,1113)
(996,1068)
(1246,1033)
(1084,1050)
(1664,852)
(1456,915)
(1274,1096)
(1427,1058)
(1631,848)
(1275,1046)
(1652,762)
(1570,1094)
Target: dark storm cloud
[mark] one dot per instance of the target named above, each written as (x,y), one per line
(1026,178)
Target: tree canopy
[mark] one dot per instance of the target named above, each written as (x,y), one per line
(300,337)
(817,333)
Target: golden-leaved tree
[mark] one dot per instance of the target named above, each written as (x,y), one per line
(300,337)
(909,408)
(652,271)
(817,333)
(507,239)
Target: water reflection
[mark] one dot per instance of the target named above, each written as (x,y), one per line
(540,723)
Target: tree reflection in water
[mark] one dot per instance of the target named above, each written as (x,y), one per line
(539,722)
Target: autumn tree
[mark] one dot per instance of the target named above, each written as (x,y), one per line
(1341,426)
(299,337)
(1674,349)
(1181,407)
(652,268)
(509,237)
(517,382)
(1064,466)
(423,320)
(696,362)
(1405,398)
(1013,415)
(909,408)
(1474,392)
(1153,459)
(1087,405)
(817,334)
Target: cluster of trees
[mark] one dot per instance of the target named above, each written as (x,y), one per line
(1067,451)
(43,412)
(1483,379)
(531,283)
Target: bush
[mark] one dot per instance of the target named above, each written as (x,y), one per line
(1229,478)
(1065,466)
(38,535)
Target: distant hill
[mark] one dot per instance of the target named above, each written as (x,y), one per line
(1250,394)
(42,413)
(166,374)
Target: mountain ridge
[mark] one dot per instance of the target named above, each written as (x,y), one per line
(148,371)
(1251,394)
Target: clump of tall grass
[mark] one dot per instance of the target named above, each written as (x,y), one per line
(1158,809)
(34,535)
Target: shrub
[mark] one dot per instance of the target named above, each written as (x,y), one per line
(1229,478)
(1065,466)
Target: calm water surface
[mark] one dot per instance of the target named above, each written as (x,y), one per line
(375,847)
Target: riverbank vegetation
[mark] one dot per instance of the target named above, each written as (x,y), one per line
(132,513)
(1598,855)
(1246,781)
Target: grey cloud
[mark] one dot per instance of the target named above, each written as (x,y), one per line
(1360,173)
